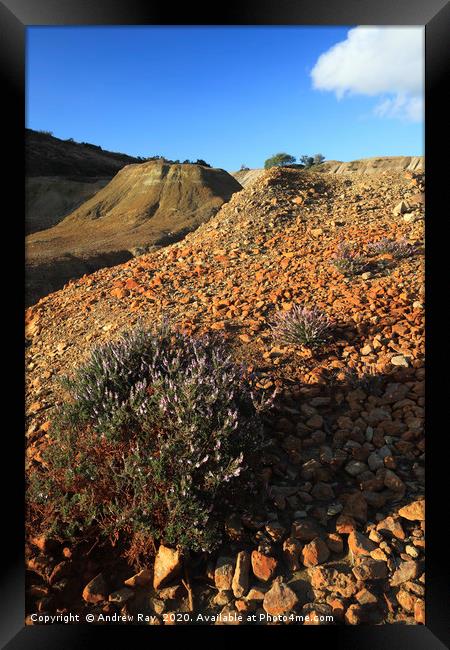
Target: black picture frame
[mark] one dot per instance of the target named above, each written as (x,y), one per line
(15,16)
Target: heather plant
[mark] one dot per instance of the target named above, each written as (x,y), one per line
(348,261)
(299,325)
(399,249)
(157,433)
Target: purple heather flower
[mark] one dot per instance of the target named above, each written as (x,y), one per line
(300,325)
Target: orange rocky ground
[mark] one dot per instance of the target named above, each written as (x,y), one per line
(342,532)
(144,206)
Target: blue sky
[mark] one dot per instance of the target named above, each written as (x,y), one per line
(229,95)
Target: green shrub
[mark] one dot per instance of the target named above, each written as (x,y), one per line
(279,160)
(309,161)
(157,434)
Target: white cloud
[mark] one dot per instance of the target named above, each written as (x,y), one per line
(377,61)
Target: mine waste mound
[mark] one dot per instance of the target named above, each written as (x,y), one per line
(339,528)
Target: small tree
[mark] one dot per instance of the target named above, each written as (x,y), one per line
(279,160)
(307,161)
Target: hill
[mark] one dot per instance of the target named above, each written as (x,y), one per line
(363,166)
(145,205)
(341,524)
(62,174)
(374,165)
(46,155)
(247,176)
(49,199)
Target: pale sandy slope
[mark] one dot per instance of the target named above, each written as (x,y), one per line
(247,177)
(363,166)
(49,199)
(374,165)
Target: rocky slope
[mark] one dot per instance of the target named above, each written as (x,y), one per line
(46,155)
(48,199)
(247,176)
(374,165)
(362,166)
(145,205)
(61,175)
(341,533)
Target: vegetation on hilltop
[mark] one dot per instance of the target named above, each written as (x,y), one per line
(287,160)
(279,160)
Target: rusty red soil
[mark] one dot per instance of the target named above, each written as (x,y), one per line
(346,458)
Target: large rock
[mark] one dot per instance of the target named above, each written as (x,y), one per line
(280,599)
(366,597)
(291,549)
(406,571)
(306,530)
(96,590)
(263,566)
(406,600)
(356,506)
(392,526)
(393,482)
(414,511)
(370,569)
(240,582)
(167,566)
(419,611)
(335,543)
(333,581)
(316,552)
(359,544)
(355,467)
(223,575)
(400,208)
